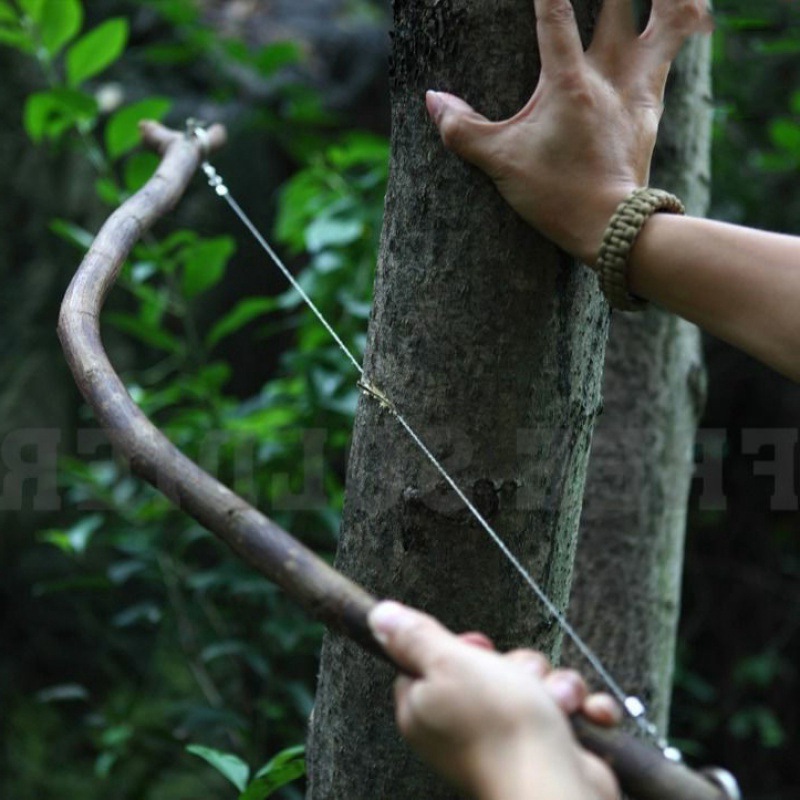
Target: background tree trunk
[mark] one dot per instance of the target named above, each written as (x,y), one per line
(491,344)
(626,592)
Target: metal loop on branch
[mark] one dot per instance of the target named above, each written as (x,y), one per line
(197,130)
(725,780)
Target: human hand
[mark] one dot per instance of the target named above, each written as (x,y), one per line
(494,725)
(585,139)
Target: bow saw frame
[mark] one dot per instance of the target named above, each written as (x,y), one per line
(327,595)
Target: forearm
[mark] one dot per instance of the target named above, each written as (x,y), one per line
(739,284)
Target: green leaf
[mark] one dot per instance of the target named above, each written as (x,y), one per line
(7,13)
(96,50)
(782,47)
(12,32)
(243,312)
(147,612)
(204,263)
(178,12)
(122,131)
(277,55)
(758,722)
(287,756)
(149,334)
(177,241)
(153,304)
(287,766)
(172,54)
(265,419)
(104,764)
(72,233)
(32,8)
(59,23)
(17,38)
(229,765)
(48,115)
(139,168)
(116,736)
(121,571)
(238,51)
(786,134)
(744,23)
(108,191)
(62,692)
(142,271)
(304,105)
(358,308)
(776,162)
(213,377)
(328,261)
(237,649)
(761,670)
(359,148)
(328,231)
(74,540)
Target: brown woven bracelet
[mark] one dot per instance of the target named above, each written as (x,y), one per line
(618,241)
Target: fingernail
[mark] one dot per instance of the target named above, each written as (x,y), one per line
(435,104)
(538,667)
(564,693)
(386,619)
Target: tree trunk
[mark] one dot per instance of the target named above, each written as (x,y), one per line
(626,592)
(490,342)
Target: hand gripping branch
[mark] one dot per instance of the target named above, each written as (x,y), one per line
(327,595)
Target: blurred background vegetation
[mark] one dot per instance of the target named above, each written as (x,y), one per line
(128,634)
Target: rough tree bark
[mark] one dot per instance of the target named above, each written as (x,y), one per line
(491,344)
(626,592)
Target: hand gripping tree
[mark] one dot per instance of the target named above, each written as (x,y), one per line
(498,335)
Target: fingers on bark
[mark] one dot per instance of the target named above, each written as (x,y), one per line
(463,130)
(616,26)
(560,45)
(671,23)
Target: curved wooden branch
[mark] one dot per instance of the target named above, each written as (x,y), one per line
(325,593)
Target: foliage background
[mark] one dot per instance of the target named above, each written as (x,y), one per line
(127,633)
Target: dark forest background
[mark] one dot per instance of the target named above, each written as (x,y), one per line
(126,633)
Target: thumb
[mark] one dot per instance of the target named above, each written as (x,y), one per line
(463,130)
(412,639)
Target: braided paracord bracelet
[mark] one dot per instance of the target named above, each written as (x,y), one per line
(618,241)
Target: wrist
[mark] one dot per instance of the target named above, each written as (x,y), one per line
(594,223)
(620,238)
